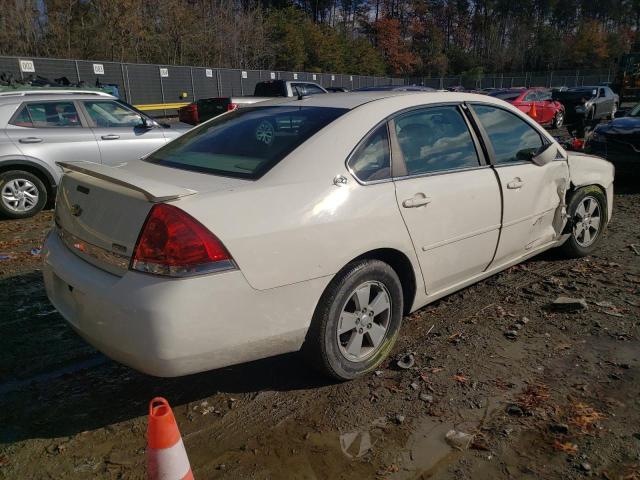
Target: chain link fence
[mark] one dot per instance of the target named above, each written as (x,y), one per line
(141,84)
(550,79)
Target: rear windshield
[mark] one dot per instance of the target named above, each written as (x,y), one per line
(587,90)
(270,89)
(506,96)
(247,142)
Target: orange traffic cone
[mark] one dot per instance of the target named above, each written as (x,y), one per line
(166,456)
(533,111)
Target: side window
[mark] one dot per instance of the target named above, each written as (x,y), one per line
(313,89)
(602,93)
(298,89)
(371,161)
(544,95)
(108,114)
(435,139)
(48,114)
(22,119)
(512,138)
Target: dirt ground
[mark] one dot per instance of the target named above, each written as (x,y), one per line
(559,400)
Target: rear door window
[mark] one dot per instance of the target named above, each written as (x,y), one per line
(371,161)
(47,115)
(435,139)
(513,139)
(247,142)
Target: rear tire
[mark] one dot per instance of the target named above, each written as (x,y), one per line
(22,194)
(558,120)
(357,320)
(587,211)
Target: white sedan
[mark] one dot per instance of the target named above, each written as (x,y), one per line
(311,224)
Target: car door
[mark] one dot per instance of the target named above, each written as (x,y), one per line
(449,199)
(533,195)
(545,107)
(121,133)
(52,131)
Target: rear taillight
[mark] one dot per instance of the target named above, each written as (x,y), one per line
(231,106)
(189,114)
(175,244)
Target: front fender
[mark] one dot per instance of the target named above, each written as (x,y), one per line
(587,170)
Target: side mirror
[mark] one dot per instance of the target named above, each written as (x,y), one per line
(148,123)
(545,154)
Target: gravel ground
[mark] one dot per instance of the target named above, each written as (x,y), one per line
(560,398)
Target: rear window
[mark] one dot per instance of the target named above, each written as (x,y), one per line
(270,89)
(247,142)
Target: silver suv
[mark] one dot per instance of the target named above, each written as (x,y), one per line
(39,128)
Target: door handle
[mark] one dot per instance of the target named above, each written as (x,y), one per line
(30,140)
(418,200)
(111,136)
(515,184)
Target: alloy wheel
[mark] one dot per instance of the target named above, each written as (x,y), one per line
(20,195)
(587,221)
(364,321)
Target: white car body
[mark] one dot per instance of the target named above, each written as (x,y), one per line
(290,233)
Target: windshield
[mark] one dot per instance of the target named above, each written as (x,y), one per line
(506,96)
(247,142)
(635,111)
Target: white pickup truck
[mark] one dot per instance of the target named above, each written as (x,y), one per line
(206,108)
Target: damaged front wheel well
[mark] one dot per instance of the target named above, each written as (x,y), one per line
(573,189)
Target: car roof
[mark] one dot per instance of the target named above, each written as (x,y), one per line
(353,100)
(19,96)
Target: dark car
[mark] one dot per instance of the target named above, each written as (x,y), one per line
(396,88)
(619,142)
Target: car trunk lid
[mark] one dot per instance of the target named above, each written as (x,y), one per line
(101,210)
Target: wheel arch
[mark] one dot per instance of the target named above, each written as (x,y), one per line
(34,168)
(403,267)
(574,188)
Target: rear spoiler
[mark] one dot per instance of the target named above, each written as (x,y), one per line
(153,190)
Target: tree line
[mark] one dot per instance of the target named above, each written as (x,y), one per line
(367,37)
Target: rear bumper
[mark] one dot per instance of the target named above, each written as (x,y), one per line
(172,327)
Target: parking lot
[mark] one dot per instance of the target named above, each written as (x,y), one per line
(559,398)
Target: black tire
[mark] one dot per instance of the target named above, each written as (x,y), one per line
(22,177)
(575,246)
(322,345)
(558,120)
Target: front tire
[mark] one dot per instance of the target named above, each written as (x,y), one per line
(357,320)
(587,211)
(22,194)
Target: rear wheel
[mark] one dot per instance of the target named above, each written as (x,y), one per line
(558,120)
(22,194)
(588,214)
(357,320)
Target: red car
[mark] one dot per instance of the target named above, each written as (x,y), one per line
(536,102)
